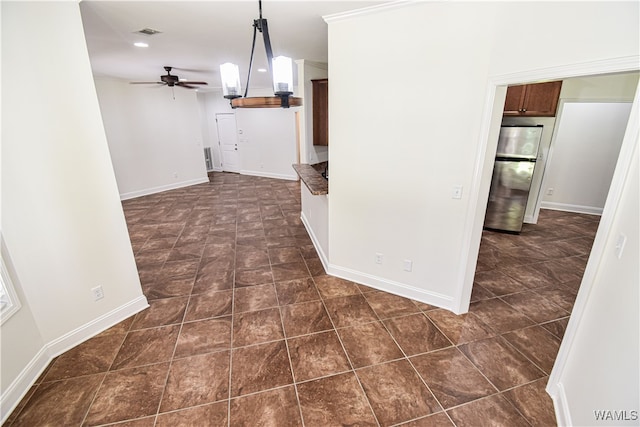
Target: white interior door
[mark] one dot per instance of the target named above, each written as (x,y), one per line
(228,140)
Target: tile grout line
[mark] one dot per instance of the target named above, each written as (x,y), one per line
(233,316)
(175,346)
(286,341)
(408,359)
(335,331)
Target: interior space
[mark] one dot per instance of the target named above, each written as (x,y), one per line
(427,216)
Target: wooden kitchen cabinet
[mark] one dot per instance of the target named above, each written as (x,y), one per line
(320,111)
(539,100)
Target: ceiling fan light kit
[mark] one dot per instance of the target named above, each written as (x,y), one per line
(281,69)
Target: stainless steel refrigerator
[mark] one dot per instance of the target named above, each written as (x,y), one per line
(512,172)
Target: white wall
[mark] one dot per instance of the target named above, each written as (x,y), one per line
(610,87)
(314,215)
(212,103)
(597,366)
(155,140)
(21,343)
(394,159)
(266,136)
(62,220)
(267,142)
(585,149)
(307,71)
(583,186)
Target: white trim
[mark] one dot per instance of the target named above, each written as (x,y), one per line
(478,198)
(13,394)
(341,16)
(561,407)
(316,64)
(393,287)
(93,328)
(376,282)
(316,243)
(625,159)
(293,177)
(607,66)
(161,188)
(589,210)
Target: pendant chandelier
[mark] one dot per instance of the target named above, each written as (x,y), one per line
(281,69)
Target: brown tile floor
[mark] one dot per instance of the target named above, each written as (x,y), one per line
(245,329)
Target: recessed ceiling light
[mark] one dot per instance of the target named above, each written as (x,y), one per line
(140,44)
(262,70)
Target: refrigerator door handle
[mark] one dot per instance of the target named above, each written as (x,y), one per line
(515,159)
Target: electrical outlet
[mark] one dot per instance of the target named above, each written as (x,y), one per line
(98,293)
(378,258)
(549,191)
(175,174)
(408,265)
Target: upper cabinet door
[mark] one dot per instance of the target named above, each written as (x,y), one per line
(515,100)
(537,100)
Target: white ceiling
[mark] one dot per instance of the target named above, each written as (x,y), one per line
(197,36)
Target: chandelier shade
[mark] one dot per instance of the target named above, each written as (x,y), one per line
(282,75)
(281,69)
(230,75)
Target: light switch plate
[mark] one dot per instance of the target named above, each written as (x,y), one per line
(622,240)
(457,192)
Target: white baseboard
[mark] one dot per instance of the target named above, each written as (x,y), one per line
(36,366)
(589,210)
(289,177)
(316,243)
(161,188)
(396,288)
(560,404)
(382,284)
(22,384)
(91,329)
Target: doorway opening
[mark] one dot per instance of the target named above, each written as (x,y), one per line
(566,248)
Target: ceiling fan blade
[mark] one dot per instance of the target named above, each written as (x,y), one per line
(193,70)
(189,82)
(185,85)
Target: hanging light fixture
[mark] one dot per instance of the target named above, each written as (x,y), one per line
(281,69)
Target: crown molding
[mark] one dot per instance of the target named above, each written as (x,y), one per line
(367,10)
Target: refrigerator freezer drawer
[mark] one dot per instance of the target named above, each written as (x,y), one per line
(519,141)
(508,195)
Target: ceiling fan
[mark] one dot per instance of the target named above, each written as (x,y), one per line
(172,80)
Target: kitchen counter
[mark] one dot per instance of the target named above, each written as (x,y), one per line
(313,179)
